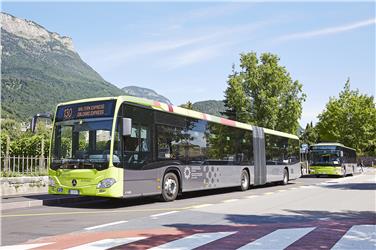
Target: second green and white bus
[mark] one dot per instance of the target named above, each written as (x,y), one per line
(126,146)
(332,159)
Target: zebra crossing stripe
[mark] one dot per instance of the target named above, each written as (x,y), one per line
(279,239)
(24,246)
(106,244)
(106,225)
(192,241)
(358,237)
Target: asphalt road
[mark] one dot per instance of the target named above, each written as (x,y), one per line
(308,213)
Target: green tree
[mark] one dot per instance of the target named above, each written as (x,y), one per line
(11,128)
(187,105)
(350,119)
(27,144)
(236,102)
(3,139)
(310,135)
(264,94)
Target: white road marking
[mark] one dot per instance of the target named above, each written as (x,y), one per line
(230,200)
(282,190)
(325,218)
(106,225)
(202,205)
(192,241)
(24,246)
(252,196)
(279,239)
(358,237)
(162,214)
(106,244)
(308,187)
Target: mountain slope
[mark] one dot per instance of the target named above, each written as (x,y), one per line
(40,69)
(212,107)
(145,93)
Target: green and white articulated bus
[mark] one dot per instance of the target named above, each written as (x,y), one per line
(332,159)
(126,146)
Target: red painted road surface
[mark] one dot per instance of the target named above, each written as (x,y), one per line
(324,235)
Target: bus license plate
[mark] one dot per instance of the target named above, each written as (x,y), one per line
(76,192)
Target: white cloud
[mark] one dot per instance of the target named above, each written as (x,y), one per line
(178,50)
(118,53)
(327,31)
(213,46)
(109,55)
(193,56)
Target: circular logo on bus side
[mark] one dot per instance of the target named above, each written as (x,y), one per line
(74,182)
(67,113)
(187,173)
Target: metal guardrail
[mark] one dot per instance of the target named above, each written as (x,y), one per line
(23,165)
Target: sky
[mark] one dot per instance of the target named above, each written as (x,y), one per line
(185,51)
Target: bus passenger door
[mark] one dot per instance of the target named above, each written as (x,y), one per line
(139,177)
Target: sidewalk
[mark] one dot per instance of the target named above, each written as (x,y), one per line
(43,199)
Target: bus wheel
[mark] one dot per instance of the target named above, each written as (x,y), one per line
(244,180)
(285,179)
(170,187)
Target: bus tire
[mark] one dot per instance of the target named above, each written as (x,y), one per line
(285,179)
(170,187)
(244,180)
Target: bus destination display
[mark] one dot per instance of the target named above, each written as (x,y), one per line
(93,110)
(85,110)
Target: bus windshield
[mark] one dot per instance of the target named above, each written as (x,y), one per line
(325,157)
(82,144)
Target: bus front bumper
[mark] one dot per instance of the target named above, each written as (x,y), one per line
(325,170)
(87,190)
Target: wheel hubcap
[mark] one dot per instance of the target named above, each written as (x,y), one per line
(170,187)
(244,181)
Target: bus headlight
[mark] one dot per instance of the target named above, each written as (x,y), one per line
(51,182)
(106,183)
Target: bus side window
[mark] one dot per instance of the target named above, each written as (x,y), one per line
(169,143)
(131,141)
(144,142)
(195,141)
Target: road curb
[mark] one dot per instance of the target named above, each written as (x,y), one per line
(47,202)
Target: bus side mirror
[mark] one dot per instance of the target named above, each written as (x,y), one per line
(35,118)
(33,124)
(341,153)
(127,126)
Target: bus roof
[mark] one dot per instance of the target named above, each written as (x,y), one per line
(331,144)
(181,111)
